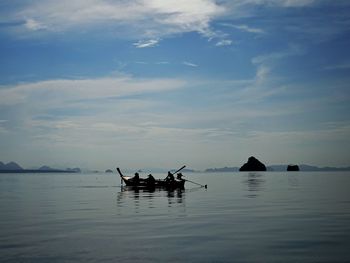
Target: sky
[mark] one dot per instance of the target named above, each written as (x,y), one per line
(162,83)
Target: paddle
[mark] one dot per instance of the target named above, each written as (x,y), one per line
(205,186)
(179,169)
(121,175)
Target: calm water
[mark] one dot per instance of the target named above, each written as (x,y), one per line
(241,217)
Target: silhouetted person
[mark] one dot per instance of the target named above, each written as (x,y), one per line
(150,180)
(170,178)
(136,178)
(179,176)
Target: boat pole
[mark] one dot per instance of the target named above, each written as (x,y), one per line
(205,186)
(121,175)
(179,169)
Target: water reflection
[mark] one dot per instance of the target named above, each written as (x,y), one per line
(151,198)
(254,181)
(293,181)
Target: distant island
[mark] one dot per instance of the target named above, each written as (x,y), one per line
(13,167)
(253,164)
(282,168)
(222,170)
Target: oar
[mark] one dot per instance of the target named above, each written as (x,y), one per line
(121,175)
(179,169)
(120,172)
(205,186)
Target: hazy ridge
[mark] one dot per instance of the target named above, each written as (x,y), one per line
(15,167)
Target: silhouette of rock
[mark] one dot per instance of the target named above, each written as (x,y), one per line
(108,171)
(10,166)
(293,167)
(253,165)
(73,170)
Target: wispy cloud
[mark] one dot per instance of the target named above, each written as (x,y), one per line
(163,63)
(294,3)
(146,43)
(62,90)
(283,3)
(293,50)
(341,66)
(224,42)
(245,28)
(189,64)
(34,25)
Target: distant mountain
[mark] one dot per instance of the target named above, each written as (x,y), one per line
(222,170)
(305,167)
(188,171)
(185,170)
(277,168)
(73,170)
(11,166)
(46,168)
(282,168)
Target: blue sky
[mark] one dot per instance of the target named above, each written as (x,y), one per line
(161,83)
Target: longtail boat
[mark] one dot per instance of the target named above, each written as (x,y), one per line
(156,183)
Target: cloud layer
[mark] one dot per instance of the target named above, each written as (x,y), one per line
(150,18)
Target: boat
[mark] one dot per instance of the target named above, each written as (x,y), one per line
(157,183)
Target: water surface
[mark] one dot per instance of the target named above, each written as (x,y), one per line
(241,217)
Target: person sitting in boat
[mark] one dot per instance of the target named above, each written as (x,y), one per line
(150,180)
(136,178)
(170,178)
(179,177)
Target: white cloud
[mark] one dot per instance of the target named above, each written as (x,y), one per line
(249,29)
(284,3)
(146,18)
(295,3)
(245,28)
(293,50)
(341,66)
(190,64)
(83,89)
(31,24)
(146,43)
(262,73)
(224,42)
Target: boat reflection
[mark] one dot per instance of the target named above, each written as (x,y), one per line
(149,197)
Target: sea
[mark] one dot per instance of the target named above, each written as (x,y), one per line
(239,217)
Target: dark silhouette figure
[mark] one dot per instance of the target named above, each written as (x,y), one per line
(151,181)
(170,178)
(136,178)
(179,176)
(253,165)
(293,168)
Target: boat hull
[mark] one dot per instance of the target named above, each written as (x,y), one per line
(177,184)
